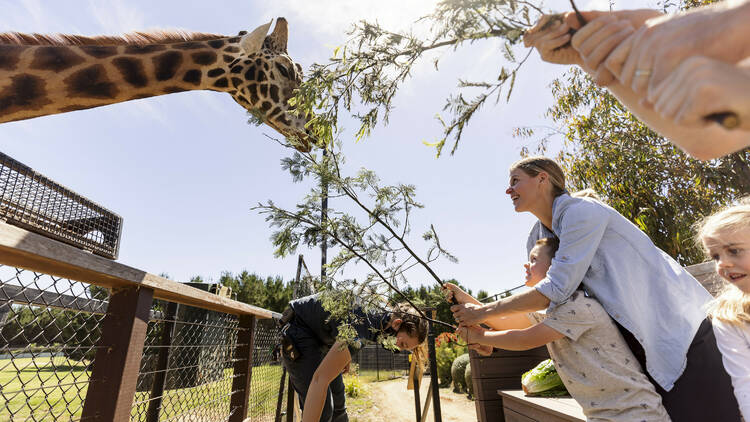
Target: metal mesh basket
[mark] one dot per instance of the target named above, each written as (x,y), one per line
(34,202)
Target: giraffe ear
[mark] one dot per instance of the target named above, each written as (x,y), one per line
(252,42)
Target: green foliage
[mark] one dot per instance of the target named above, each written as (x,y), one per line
(432,297)
(365,73)
(447,349)
(271,293)
(353,385)
(374,234)
(469,383)
(458,372)
(636,171)
(543,380)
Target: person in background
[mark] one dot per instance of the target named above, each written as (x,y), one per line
(725,237)
(315,359)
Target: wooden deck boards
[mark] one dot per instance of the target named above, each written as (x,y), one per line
(517,407)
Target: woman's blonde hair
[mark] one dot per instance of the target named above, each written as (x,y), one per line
(732,305)
(537,164)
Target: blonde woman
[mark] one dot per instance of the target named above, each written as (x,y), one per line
(655,303)
(726,238)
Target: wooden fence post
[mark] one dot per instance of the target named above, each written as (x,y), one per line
(243,368)
(115,372)
(162,363)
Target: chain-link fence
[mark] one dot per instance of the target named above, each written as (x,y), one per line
(50,331)
(376,363)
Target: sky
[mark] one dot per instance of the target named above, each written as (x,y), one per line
(184,170)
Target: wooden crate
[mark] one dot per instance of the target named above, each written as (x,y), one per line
(501,370)
(517,407)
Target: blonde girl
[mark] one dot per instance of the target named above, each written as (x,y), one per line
(725,236)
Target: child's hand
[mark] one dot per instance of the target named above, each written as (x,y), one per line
(482,349)
(471,335)
(451,291)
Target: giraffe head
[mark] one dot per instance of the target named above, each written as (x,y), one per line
(262,78)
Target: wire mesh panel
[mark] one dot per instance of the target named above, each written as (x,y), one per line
(186,369)
(49,328)
(34,202)
(267,372)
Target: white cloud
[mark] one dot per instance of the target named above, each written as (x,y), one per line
(116,16)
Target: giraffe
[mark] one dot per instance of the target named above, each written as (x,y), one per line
(48,74)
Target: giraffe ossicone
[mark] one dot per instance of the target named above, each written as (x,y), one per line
(48,74)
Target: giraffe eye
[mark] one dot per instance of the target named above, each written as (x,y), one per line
(283,70)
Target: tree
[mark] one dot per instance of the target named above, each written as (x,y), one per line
(374,233)
(370,67)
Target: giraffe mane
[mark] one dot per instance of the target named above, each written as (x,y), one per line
(132,38)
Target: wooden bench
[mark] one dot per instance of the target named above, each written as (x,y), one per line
(517,407)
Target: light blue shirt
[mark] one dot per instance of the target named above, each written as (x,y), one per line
(639,285)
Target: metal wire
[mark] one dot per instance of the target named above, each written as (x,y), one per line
(34,202)
(49,331)
(49,328)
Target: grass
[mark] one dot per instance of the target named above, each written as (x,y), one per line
(55,388)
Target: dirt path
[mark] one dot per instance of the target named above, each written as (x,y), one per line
(390,401)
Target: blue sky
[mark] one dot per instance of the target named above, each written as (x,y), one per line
(183,170)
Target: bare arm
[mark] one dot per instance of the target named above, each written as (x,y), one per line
(496,322)
(523,339)
(509,307)
(332,365)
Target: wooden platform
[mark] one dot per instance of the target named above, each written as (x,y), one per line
(519,408)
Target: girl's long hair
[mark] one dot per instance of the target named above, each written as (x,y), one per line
(731,305)
(415,326)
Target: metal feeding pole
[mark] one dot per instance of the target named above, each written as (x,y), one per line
(323,218)
(433,366)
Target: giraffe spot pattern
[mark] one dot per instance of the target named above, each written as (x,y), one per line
(236,69)
(233,40)
(24,92)
(261,76)
(77,107)
(274,112)
(221,83)
(265,106)
(166,65)
(131,70)
(283,120)
(274,93)
(204,58)
(99,51)
(215,72)
(55,58)
(173,89)
(91,82)
(140,96)
(264,90)
(250,74)
(9,56)
(236,82)
(192,45)
(144,49)
(193,76)
(232,49)
(227,58)
(216,43)
(254,93)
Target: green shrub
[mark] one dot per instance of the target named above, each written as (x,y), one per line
(446,351)
(458,373)
(469,384)
(353,386)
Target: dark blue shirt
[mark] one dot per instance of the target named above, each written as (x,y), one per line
(309,314)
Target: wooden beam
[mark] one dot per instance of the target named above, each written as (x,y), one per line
(23,249)
(118,357)
(243,369)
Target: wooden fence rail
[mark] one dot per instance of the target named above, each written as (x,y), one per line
(113,381)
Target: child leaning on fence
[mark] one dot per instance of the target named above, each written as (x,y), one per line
(315,359)
(590,354)
(725,236)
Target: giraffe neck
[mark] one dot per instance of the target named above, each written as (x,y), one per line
(39,80)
